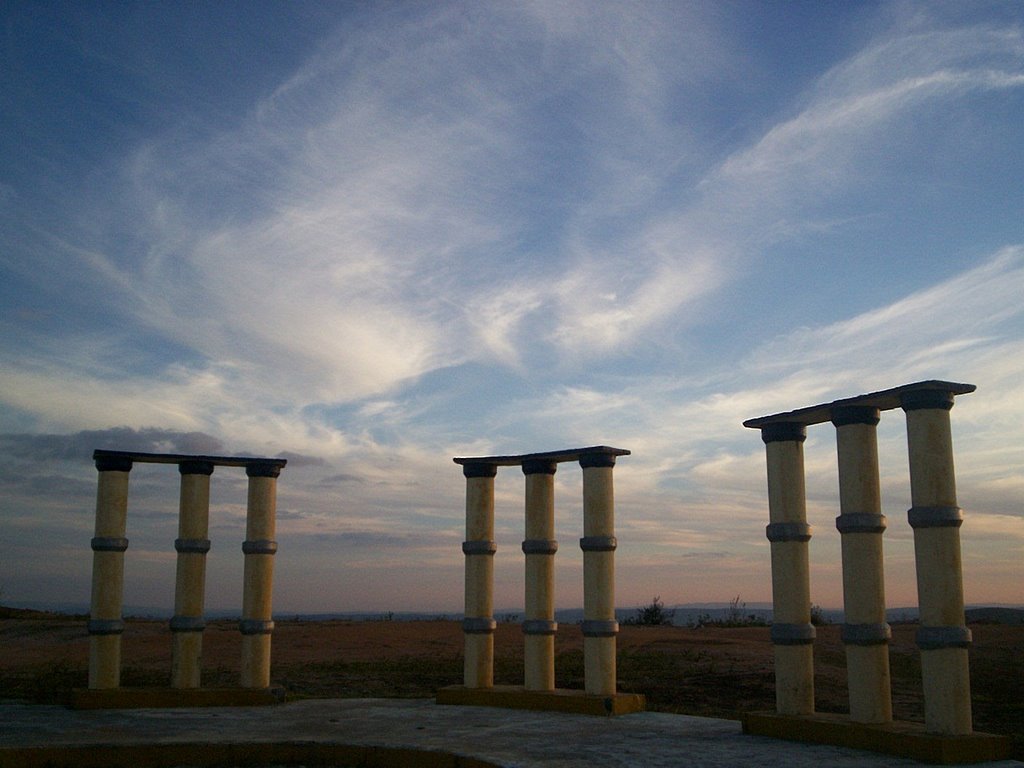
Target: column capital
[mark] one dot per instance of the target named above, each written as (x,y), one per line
(263,469)
(479,469)
(923,399)
(783,431)
(196,467)
(539,467)
(588,460)
(855,414)
(113,464)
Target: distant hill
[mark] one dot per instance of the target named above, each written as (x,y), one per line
(683,615)
(1010,616)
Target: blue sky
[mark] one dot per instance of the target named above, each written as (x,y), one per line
(371,237)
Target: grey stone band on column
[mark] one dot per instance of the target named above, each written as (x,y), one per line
(793,634)
(109,544)
(259,547)
(539,627)
(866,634)
(540,547)
(788,532)
(935,517)
(256,626)
(935,638)
(187,624)
(860,522)
(479,547)
(783,431)
(192,546)
(599,628)
(475,625)
(598,543)
(196,468)
(106,626)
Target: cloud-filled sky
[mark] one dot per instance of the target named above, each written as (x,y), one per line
(372,237)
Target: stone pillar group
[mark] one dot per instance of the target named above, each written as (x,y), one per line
(109,544)
(943,637)
(539,547)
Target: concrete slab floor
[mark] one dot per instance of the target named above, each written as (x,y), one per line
(502,737)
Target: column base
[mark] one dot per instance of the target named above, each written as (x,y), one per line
(558,700)
(160,698)
(897,738)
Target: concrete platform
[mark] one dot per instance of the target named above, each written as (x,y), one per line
(396,732)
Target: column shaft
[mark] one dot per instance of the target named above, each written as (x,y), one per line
(935,517)
(190,582)
(478,619)
(861,524)
(789,534)
(258,578)
(109,545)
(539,548)
(598,545)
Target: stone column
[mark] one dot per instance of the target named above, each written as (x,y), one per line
(540,547)
(259,548)
(861,523)
(935,517)
(792,633)
(108,546)
(192,545)
(478,623)
(598,545)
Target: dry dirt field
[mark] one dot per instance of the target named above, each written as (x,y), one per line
(713,671)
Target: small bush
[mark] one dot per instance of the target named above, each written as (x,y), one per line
(652,615)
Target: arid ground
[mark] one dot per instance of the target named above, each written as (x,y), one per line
(712,671)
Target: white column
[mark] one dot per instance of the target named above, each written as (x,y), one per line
(539,547)
(598,545)
(478,620)
(192,545)
(943,637)
(257,596)
(108,545)
(792,632)
(861,523)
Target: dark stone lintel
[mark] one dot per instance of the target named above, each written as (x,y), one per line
(600,455)
(884,400)
(101,454)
